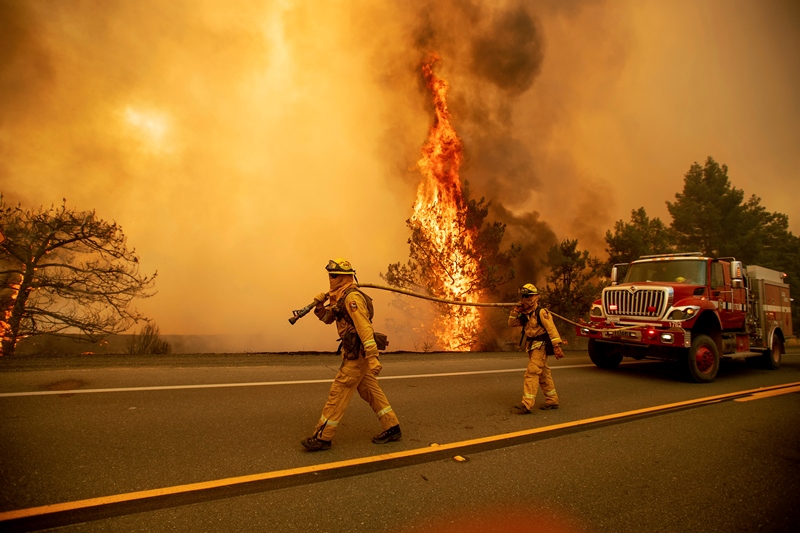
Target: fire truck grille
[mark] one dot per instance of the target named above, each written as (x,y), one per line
(642,302)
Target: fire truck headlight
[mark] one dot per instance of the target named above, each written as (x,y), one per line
(596,311)
(683,313)
(676,314)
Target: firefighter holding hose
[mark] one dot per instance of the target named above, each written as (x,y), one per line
(352,312)
(541,339)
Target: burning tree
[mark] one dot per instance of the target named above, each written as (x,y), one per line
(453,255)
(65,273)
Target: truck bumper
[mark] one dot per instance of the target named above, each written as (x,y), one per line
(641,336)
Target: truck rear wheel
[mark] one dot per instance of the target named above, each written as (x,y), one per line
(604,355)
(702,361)
(772,357)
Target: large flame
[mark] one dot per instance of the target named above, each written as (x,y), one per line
(440,214)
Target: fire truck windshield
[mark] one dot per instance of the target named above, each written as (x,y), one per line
(689,271)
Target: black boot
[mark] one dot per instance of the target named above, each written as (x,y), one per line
(313,444)
(391,434)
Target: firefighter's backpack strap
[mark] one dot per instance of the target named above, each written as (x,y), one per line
(548,343)
(342,312)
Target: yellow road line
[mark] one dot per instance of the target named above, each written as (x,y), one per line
(768,394)
(326,467)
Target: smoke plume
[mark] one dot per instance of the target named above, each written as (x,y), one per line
(492,55)
(242,144)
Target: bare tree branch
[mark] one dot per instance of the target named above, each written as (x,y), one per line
(66,272)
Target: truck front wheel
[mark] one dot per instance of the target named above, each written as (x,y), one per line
(604,355)
(703,359)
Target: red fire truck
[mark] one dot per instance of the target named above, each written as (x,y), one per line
(691,309)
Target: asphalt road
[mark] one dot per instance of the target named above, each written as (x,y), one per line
(78,428)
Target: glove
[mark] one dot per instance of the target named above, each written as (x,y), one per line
(321,297)
(559,353)
(374,365)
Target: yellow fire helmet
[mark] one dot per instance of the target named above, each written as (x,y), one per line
(529,289)
(340,266)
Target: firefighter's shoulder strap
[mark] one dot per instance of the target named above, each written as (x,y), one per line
(342,312)
(548,342)
(524,318)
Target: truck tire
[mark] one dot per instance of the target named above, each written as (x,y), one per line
(702,362)
(772,358)
(603,355)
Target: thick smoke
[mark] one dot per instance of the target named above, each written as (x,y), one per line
(240,147)
(509,53)
(242,144)
(534,236)
(492,54)
(25,68)
(234,143)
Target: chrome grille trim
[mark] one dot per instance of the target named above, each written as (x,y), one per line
(634,302)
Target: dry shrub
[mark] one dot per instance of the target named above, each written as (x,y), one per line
(147,342)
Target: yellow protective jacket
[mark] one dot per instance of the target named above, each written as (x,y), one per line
(532,326)
(359,323)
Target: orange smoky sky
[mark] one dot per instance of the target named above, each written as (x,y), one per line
(242,144)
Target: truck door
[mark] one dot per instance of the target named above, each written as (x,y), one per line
(722,292)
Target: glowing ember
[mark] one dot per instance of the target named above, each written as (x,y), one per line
(8,297)
(440,214)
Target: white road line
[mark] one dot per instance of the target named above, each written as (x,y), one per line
(270,383)
(262,383)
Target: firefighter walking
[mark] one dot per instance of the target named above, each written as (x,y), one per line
(540,336)
(352,312)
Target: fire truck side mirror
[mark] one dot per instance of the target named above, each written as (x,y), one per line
(736,271)
(737,283)
(615,272)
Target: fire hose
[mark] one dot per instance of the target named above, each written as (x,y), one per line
(300,313)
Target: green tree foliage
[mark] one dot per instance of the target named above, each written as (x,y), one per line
(775,247)
(641,236)
(65,272)
(711,216)
(765,239)
(574,281)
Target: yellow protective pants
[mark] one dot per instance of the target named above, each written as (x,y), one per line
(538,373)
(354,375)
